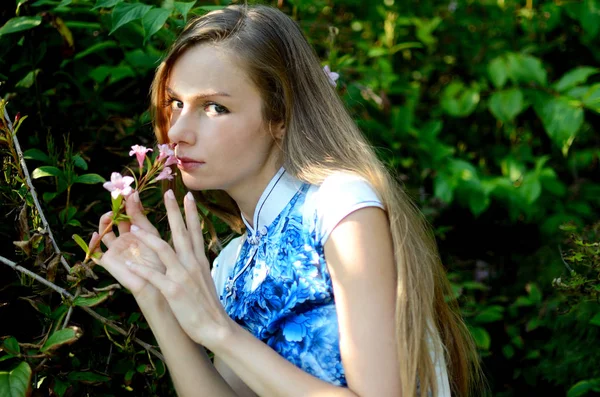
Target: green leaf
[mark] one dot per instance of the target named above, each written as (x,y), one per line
(95,48)
(443,188)
(80,162)
(183,8)
(61,337)
(595,320)
(490,314)
(49,196)
(458,100)
(19,24)
(562,118)
(29,79)
(87,377)
(126,12)
(153,21)
(36,154)
(16,383)
(67,214)
(526,69)
(47,170)
(497,70)
(530,187)
(92,301)
(11,346)
(574,77)
(106,3)
(506,105)
(535,295)
(89,179)
(482,337)
(582,388)
(80,242)
(591,99)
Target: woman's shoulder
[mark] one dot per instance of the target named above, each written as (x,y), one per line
(340,194)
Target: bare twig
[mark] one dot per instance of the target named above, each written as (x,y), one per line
(69,297)
(33,193)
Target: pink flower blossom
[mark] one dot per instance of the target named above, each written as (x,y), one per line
(332,76)
(119,185)
(170,161)
(165,151)
(140,153)
(166,173)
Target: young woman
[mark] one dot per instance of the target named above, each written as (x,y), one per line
(335,286)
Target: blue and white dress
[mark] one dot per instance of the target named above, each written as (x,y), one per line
(274,281)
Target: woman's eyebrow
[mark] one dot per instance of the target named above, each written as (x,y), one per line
(202,95)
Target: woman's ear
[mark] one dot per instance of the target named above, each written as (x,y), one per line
(277,130)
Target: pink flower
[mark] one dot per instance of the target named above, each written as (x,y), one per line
(170,161)
(165,151)
(140,153)
(166,173)
(332,76)
(119,185)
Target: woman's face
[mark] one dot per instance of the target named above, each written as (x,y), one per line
(221,139)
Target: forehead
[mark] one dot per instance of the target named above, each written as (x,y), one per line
(206,68)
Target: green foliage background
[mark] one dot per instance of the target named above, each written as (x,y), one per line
(486,110)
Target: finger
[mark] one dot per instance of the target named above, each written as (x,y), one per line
(163,250)
(192,220)
(181,239)
(95,242)
(123,227)
(135,211)
(105,221)
(161,281)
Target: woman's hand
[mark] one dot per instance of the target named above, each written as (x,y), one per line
(126,247)
(187,284)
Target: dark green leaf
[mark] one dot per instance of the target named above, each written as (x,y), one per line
(47,170)
(490,314)
(595,320)
(36,154)
(154,20)
(95,48)
(11,346)
(88,377)
(80,162)
(126,12)
(16,383)
(89,179)
(458,100)
(482,337)
(19,24)
(591,99)
(29,79)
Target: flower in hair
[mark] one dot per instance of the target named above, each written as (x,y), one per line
(332,76)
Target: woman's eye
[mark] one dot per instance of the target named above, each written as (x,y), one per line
(215,109)
(176,104)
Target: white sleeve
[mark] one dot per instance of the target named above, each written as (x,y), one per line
(340,195)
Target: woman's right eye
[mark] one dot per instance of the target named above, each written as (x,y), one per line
(176,104)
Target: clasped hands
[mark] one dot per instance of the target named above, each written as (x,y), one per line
(141,261)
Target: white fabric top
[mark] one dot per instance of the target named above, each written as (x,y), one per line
(321,210)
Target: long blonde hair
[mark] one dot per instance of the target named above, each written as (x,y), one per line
(321,138)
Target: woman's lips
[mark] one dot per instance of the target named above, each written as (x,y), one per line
(184,163)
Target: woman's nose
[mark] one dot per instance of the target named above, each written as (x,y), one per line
(182,130)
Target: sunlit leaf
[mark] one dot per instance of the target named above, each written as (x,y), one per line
(80,242)
(47,170)
(183,8)
(154,20)
(506,105)
(106,3)
(574,77)
(19,24)
(61,337)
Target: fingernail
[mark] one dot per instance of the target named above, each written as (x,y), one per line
(170,194)
(94,235)
(109,213)
(190,197)
(136,197)
(134,228)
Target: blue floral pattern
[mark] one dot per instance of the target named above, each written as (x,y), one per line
(280,290)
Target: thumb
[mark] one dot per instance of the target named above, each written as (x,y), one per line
(135,210)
